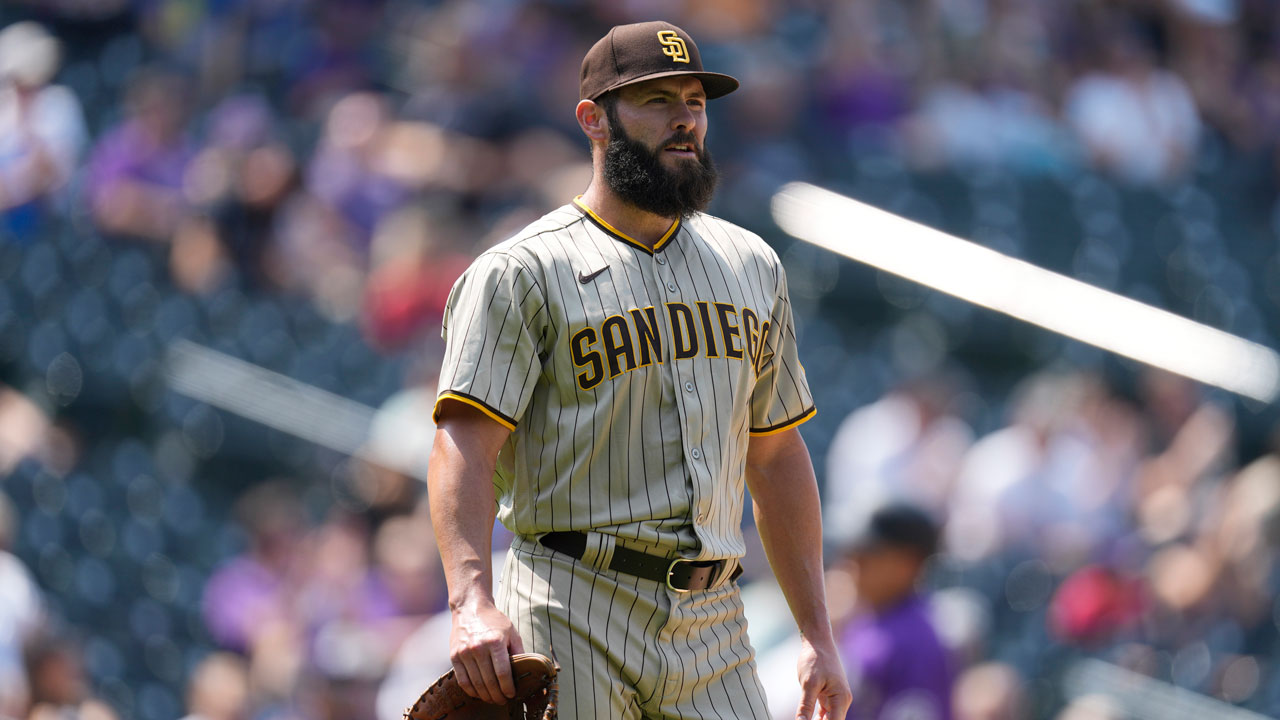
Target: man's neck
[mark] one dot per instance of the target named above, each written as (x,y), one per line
(643,227)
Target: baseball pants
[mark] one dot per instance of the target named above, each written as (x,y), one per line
(631,648)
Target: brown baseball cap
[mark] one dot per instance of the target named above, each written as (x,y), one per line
(646,51)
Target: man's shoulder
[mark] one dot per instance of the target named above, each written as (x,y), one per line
(540,236)
(718,231)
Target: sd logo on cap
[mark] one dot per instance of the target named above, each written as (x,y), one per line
(628,54)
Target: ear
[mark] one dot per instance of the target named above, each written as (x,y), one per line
(593,121)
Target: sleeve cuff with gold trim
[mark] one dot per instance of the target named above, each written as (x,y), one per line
(476,403)
(785,424)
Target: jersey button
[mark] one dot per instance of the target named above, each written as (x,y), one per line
(688,386)
(661,260)
(702,517)
(671,286)
(696,453)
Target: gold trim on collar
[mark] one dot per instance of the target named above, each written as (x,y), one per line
(604,225)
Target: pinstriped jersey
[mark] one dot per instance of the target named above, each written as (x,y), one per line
(632,379)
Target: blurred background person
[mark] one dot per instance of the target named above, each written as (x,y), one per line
(59,688)
(42,129)
(137,168)
(897,666)
(219,689)
(21,616)
(991,691)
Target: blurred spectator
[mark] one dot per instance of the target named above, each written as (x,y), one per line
(1093,605)
(247,594)
(399,444)
(991,691)
(1044,485)
(1191,442)
(412,269)
(42,129)
(860,85)
(897,666)
(239,179)
(24,429)
(137,169)
(408,563)
(325,232)
(1243,531)
(907,445)
(347,172)
(1134,118)
(59,689)
(21,615)
(418,657)
(219,689)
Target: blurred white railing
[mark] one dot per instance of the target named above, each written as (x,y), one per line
(1145,698)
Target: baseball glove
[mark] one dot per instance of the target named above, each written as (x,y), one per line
(536,694)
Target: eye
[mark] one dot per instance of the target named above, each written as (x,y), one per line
(658,99)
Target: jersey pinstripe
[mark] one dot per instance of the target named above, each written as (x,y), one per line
(632,379)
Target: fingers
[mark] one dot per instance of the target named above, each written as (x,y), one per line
(502,667)
(479,673)
(489,685)
(481,643)
(823,703)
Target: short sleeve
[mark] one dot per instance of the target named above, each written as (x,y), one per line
(493,328)
(781,398)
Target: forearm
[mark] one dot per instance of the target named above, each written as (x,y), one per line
(460,488)
(788,516)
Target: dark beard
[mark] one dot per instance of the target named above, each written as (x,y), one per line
(635,174)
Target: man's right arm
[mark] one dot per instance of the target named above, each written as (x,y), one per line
(460,487)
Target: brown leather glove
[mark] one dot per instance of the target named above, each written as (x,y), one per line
(536,695)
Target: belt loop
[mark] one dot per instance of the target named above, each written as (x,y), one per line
(591,551)
(607,544)
(598,552)
(726,573)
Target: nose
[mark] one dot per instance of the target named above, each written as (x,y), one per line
(684,118)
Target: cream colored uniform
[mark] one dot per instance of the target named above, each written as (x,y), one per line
(632,381)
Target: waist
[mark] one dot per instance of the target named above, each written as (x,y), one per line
(678,574)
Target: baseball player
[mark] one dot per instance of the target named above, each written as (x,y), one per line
(614,374)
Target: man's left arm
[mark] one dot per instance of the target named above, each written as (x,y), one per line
(788,516)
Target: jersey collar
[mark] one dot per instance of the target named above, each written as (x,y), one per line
(618,234)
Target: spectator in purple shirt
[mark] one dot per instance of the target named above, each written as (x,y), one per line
(897,667)
(136,172)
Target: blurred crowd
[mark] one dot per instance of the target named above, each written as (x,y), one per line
(1100,520)
(353,155)
(359,151)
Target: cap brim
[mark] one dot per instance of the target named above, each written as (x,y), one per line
(713,84)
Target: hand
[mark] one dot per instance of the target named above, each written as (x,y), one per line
(480,646)
(824,687)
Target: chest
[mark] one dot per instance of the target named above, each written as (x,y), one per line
(627,310)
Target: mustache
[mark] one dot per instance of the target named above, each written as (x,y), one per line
(683,137)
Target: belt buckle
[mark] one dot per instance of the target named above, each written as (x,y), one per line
(671,569)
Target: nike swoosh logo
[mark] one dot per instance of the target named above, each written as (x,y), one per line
(584,278)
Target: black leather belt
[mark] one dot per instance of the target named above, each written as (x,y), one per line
(679,574)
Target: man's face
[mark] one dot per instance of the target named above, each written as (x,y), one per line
(657,158)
